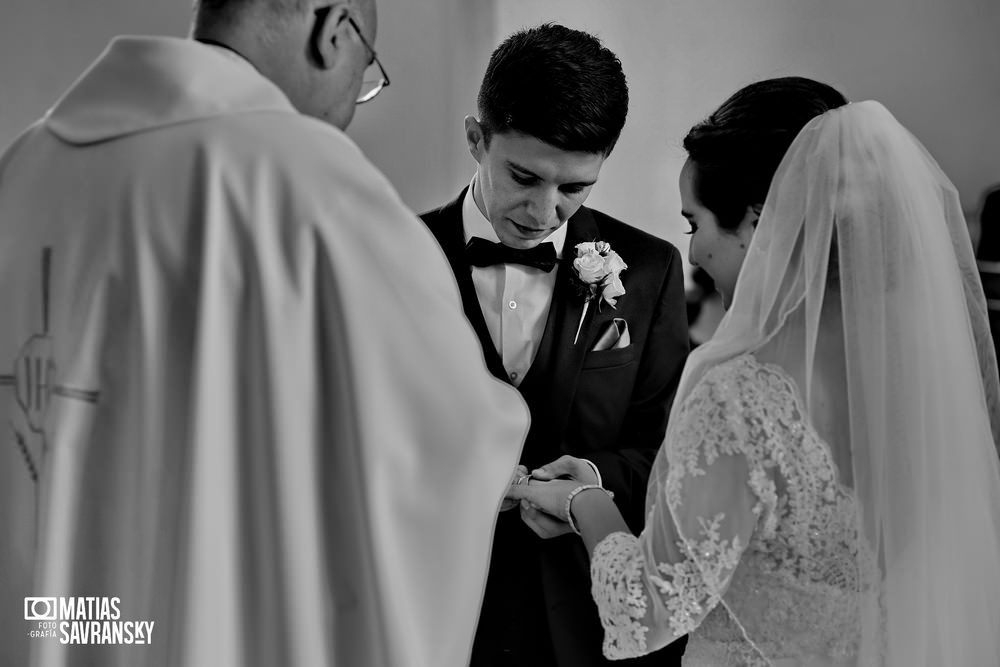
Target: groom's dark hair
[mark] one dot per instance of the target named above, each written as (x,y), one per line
(737,149)
(559,85)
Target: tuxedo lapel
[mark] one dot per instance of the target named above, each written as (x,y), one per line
(556,367)
(446,225)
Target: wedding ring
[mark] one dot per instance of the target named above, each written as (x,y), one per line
(520,480)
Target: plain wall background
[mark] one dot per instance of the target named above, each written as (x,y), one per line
(46,44)
(934,63)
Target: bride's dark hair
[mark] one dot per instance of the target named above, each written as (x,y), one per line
(737,149)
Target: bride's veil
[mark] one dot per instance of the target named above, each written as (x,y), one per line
(860,282)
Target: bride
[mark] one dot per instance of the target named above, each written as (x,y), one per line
(828,491)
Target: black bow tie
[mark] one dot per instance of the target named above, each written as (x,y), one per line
(481,252)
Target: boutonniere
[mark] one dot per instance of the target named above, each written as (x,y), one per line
(598,276)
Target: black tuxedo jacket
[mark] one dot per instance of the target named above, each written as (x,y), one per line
(608,406)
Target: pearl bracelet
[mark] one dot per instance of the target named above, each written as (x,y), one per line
(572,495)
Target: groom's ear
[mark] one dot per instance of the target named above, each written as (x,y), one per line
(475,137)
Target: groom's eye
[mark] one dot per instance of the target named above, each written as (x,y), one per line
(522,180)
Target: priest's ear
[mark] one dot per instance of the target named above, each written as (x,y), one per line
(331,34)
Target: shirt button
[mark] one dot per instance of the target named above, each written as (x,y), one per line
(512,304)
(513,376)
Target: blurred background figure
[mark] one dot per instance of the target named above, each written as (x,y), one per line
(704,307)
(988,258)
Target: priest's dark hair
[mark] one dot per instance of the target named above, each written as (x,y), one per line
(558,85)
(737,149)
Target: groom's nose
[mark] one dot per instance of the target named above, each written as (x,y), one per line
(543,207)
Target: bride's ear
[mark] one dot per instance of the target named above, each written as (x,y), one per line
(748,225)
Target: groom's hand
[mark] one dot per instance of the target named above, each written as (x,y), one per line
(543,505)
(544,525)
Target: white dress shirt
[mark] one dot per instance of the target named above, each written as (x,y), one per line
(514,298)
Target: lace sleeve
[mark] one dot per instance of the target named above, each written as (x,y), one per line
(655,588)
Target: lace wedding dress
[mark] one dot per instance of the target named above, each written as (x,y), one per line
(780,544)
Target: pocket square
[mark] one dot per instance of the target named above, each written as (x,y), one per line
(614,337)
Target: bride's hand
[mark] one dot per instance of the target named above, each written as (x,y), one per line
(566,466)
(548,497)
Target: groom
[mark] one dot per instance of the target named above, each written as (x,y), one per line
(598,373)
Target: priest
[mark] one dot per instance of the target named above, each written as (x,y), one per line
(240,398)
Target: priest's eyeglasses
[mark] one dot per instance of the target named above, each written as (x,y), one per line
(373,82)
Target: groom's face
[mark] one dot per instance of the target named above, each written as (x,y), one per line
(526,187)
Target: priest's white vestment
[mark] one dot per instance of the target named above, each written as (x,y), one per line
(238,390)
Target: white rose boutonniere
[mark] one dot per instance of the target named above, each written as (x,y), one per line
(598,272)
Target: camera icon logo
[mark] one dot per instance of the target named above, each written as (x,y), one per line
(40,609)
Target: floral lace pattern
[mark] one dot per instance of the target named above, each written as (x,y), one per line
(795,588)
(617,589)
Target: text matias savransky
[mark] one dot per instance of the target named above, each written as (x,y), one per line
(85,620)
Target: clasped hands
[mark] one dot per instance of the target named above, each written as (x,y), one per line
(541,493)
